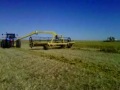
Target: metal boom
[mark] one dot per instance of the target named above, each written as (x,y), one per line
(38,32)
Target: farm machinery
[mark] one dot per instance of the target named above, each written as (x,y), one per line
(9,41)
(46,42)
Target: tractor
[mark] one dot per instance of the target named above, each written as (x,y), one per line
(9,41)
(54,41)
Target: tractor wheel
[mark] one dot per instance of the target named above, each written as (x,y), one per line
(69,45)
(3,44)
(18,43)
(45,47)
(8,44)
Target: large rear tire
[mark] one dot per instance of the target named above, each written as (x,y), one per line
(8,44)
(3,44)
(18,43)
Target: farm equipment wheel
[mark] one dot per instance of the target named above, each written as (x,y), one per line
(31,45)
(30,42)
(8,44)
(3,44)
(69,45)
(45,47)
(62,46)
(18,43)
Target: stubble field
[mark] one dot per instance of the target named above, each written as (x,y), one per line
(83,67)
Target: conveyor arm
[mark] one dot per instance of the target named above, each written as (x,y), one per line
(39,32)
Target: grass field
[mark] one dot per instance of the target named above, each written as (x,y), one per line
(83,67)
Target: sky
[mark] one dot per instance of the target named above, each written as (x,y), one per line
(78,19)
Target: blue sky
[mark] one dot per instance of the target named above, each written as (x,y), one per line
(79,19)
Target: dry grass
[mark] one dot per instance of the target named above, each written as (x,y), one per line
(58,69)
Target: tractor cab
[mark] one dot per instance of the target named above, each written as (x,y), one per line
(10,36)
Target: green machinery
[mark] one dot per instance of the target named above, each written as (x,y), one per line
(53,41)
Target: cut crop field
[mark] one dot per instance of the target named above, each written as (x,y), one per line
(83,67)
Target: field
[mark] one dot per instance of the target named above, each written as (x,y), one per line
(88,65)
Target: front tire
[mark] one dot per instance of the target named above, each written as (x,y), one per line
(18,43)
